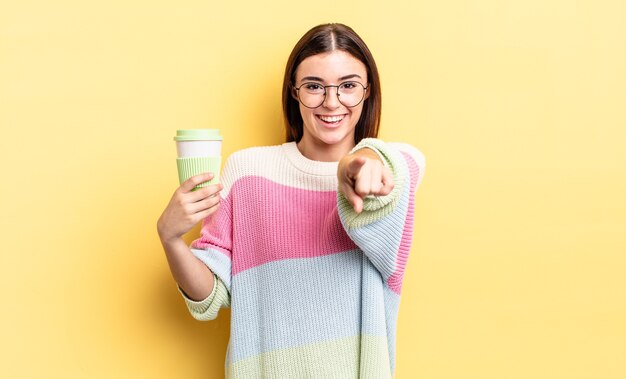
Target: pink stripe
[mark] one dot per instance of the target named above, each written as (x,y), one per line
(395,280)
(275,222)
(216,230)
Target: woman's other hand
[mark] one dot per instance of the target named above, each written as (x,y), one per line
(188,207)
(361,174)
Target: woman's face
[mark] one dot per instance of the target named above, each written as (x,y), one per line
(330,127)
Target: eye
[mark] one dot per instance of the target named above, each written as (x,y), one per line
(349,86)
(313,87)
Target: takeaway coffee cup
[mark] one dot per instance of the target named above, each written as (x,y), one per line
(199,151)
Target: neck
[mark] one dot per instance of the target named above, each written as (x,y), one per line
(323,152)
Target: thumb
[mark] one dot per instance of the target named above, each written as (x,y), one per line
(353,198)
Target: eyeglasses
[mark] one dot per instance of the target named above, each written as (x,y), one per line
(312,94)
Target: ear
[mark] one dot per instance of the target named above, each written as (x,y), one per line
(367,91)
(294,92)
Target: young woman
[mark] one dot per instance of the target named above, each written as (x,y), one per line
(306,241)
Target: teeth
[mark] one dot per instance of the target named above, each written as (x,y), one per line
(331,118)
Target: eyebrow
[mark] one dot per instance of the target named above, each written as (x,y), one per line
(318,79)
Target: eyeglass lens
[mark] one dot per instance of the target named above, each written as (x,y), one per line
(312,95)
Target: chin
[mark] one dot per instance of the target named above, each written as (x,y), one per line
(332,140)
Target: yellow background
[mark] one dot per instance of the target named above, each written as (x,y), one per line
(519,259)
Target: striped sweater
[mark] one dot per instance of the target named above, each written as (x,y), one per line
(313,287)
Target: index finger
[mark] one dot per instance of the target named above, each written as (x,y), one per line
(191,183)
(355,166)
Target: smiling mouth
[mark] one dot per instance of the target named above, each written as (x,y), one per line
(331,119)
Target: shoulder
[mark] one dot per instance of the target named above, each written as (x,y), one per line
(250,162)
(253,154)
(411,151)
(416,162)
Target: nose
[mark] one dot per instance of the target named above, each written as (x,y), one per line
(331,100)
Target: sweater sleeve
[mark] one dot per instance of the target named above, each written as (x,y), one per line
(208,308)
(384,229)
(214,249)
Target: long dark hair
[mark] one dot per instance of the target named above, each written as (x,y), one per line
(322,39)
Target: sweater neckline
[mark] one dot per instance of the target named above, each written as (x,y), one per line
(307,165)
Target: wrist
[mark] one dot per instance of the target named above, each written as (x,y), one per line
(367,153)
(173,244)
(166,238)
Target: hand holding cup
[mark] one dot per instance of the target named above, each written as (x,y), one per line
(187,207)
(199,159)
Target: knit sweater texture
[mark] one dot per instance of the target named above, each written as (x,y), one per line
(314,287)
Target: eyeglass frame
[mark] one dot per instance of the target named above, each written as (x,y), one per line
(336,93)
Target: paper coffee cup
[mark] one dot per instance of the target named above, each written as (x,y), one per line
(199,151)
